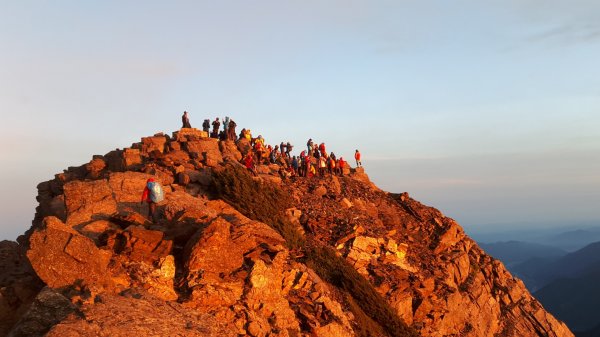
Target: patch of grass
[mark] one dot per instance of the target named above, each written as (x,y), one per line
(258,200)
(364,325)
(341,274)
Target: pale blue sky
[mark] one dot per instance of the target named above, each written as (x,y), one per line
(489,111)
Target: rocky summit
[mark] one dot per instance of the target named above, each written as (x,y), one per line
(231,253)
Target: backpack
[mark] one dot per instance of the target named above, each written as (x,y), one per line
(156,192)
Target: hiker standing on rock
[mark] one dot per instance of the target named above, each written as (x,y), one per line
(226,124)
(341,165)
(216,125)
(295,165)
(206,125)
(309,145)
(153,194)
(231,130)
(357,157)
(185,120)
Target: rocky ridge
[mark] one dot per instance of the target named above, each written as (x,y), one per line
(231,254)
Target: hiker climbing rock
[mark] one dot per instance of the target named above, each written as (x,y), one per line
(357,157)
(249,163)
(152,194)
(185,120)
(259,148)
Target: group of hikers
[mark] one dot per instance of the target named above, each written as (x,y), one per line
(228,132)
(314,161)
(311,162)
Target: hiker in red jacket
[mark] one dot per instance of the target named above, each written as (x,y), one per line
(146,198)
(249,163)
(322,149)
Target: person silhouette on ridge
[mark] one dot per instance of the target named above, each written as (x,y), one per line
(185,120)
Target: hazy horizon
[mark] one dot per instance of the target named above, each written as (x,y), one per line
(486,111)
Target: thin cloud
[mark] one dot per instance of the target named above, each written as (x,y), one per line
(449,182)
(568,33)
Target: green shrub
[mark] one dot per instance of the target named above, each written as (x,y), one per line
(258,200)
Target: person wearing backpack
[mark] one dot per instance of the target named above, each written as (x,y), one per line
(206,125)
(152,194)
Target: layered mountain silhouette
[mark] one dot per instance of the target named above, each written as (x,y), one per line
(516,252)
(538,272)
(232,254)
(565,283)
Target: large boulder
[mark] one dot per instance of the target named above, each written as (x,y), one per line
(155,143)
(127,187)
(62,257)
(87,200)
(206,150)
(144,245)
(230,150)
(187,134)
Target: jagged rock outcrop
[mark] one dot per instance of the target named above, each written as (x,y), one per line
(230,254)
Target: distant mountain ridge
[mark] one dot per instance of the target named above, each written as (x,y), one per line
(514,252)
(559,237)
(571,265)
(567,284)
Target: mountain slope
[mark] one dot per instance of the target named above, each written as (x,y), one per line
(265,255)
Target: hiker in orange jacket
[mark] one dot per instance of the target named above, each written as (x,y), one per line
(357,157)
(341,164)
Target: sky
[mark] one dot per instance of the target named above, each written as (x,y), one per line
(486,110)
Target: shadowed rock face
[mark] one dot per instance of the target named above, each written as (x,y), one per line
(19,285)
(203,267)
